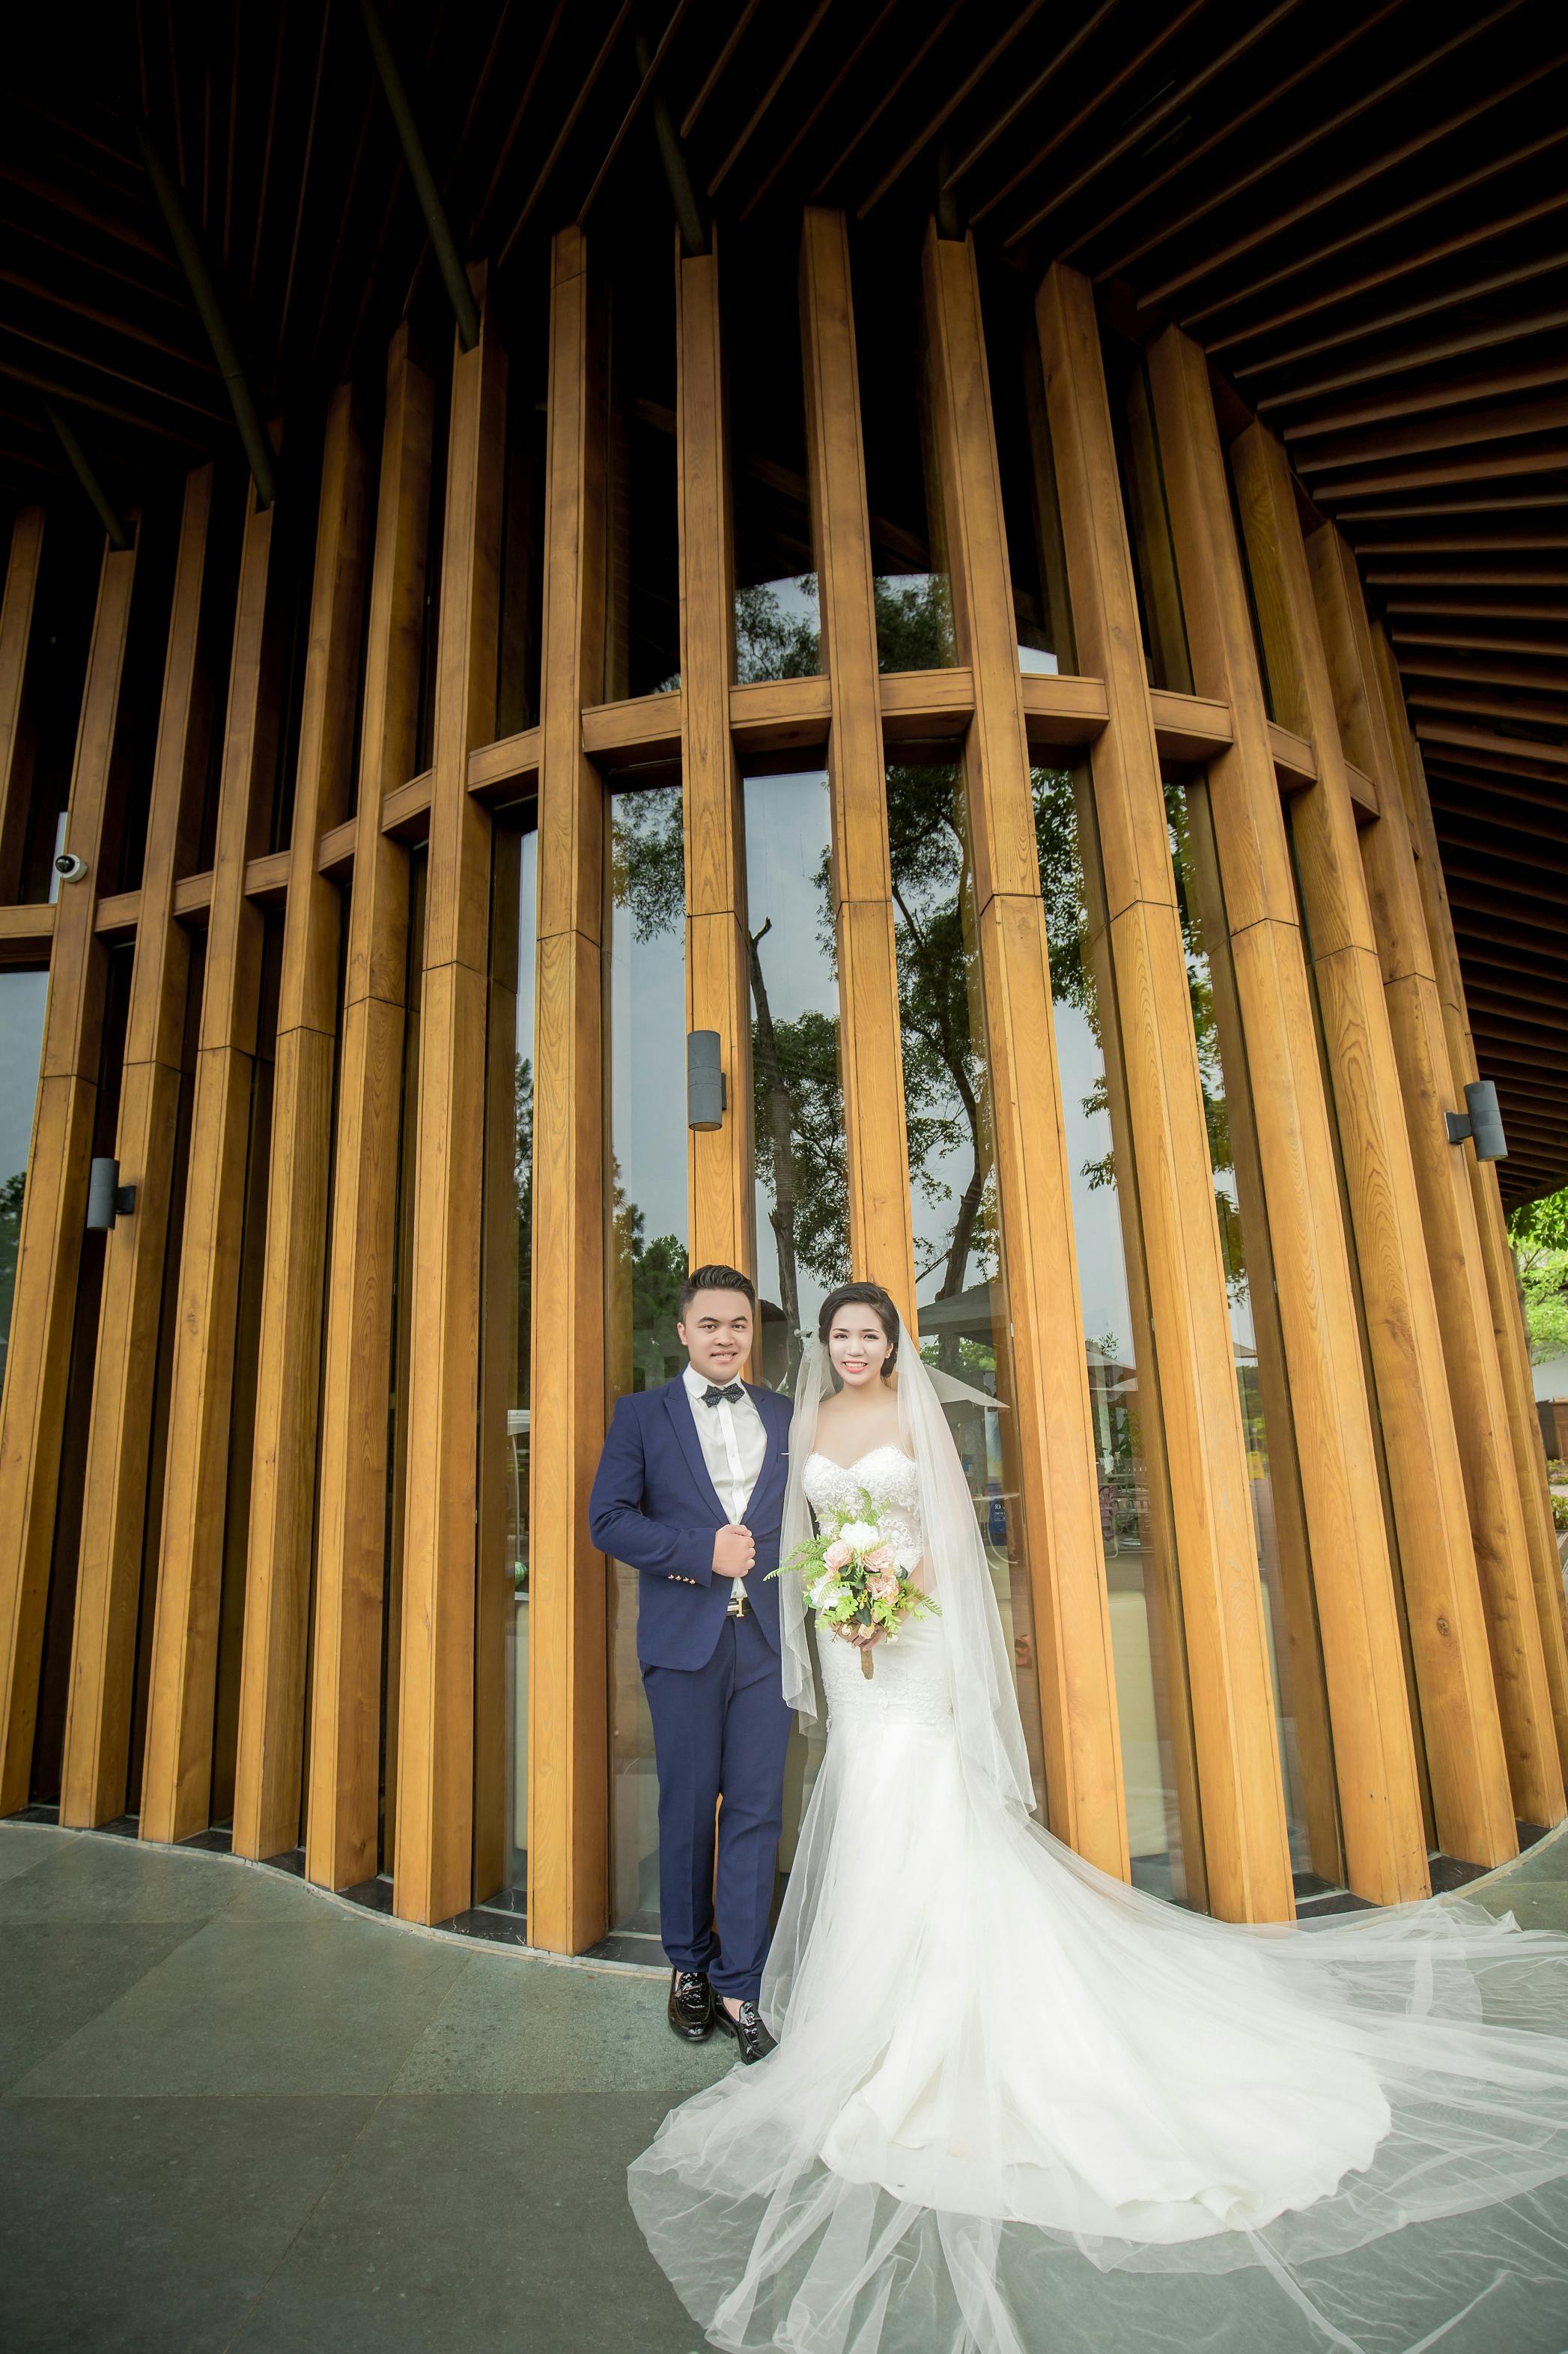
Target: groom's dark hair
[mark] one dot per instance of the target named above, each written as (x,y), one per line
(714,1279)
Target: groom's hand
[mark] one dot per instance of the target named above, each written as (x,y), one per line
(734,1551)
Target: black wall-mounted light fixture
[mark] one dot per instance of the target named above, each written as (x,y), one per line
(107,1198)
(1480,1120)
(705,1091)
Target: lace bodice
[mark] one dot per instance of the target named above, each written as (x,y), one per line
(909,1680)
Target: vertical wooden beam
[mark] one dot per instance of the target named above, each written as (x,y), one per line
(341,1815)
(1352,1574)
(176,1776)
(48,1252)
(15,628)
(881,1221)
(567,1690)
(433,1876)
(1246,1842)
(1443,1185)
(109,1576)
(1421,1448)
(1053,1430)
(269,1762)
(1526,1453)
(721,1196)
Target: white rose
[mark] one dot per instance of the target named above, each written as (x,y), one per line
(907,1559)
(827,1596)
(860,1536)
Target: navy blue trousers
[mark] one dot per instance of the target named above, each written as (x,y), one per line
(720,1731)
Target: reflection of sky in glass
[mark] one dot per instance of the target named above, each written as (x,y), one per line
(648,1063)
(21,1043)
(788,831)
(1096,1220)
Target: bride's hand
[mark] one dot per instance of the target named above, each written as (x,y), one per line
(862,1638)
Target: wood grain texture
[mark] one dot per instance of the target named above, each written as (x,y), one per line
(177,1769)
(1447,1203)
(881,1226)
(1427,1487)
(1245,1837)
(341,1816)
(568,1738)
(433,1874)
(114,1507)
(719,1164)
(15,628)
(269,1766)
(1352,1576)
(1052,1428)
(48,1250)
(1501,1277)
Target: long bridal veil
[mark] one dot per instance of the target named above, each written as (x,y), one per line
(1019,2105)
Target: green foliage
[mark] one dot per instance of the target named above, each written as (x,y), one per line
(1538,1233)
(915,624)
(10,1235)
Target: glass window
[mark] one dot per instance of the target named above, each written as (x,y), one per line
(802,1187)
(402,1342)
(501,1815)
(1036,562)
(521,618)
(1159,1766)
(22,996)
(914,602)
(55,671)
(776,632)
(642,589)
(959,1292)
(1279,1524)
(1160,612)
(646,1259)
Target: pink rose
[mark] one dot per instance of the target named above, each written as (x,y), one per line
(884,1587)
(836,1556)
(880,1562)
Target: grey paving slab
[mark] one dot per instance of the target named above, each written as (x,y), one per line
(93,1879)
(510,2025)
(22,1845)
(56,1976)
(322,2005)
(150,2227)
(496,2224)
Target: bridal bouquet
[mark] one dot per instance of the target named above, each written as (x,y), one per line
(857,1575)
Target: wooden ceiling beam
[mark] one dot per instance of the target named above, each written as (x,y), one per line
(1461,640)
(1027,95)
(1447,347)
(826,96)
(948,108)
(1486,763)
(791,58)
(1514,543)
(873,115)
(1440,193)
(711,80)
(1470,611)
(1399,513)
(1488,707)
(1537,266)
(1433,395)
(568,125)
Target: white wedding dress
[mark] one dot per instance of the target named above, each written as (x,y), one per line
(1019,2107)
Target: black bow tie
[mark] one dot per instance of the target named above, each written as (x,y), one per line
(712,1395)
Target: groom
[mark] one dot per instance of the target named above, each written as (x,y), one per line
(690,1492)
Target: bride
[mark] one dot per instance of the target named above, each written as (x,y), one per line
(1020,2107)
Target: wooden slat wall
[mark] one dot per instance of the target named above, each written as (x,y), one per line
(721,1213)
(346,1697)
(48,1253)
(567,1695)
(1502,1281)
(15,625)
(1421,1448)
(1356,1608)
(109,1575)
(881,1224)
(1053,1430)
(1245,1840)
(1525,1693)
(433,1874)
(269,1770)
(177,1772)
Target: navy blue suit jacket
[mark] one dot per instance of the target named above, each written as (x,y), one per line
(654,1506)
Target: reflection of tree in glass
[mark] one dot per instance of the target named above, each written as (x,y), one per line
(770,643)
(648,878)
(1211,1073)
(914,622)
(10,1233)
(523,1191)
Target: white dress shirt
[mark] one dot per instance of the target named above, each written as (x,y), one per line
(734,1440)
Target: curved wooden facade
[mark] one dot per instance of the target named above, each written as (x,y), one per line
(368,778)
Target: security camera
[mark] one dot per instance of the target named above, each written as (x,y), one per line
(70,868)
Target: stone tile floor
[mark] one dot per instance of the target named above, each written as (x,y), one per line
(237,2114)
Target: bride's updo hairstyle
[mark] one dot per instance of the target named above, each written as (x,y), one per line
(863,1295)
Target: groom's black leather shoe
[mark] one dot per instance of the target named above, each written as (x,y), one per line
(749,2032)
(693,2004)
